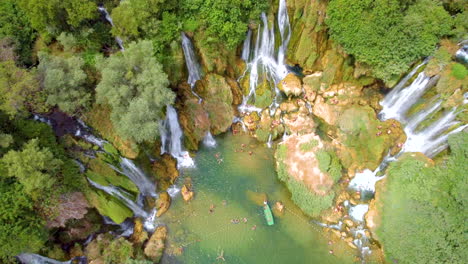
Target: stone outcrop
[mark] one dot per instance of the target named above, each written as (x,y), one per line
(70,206)
(166,171)
(162,203)
(155,246)
(139,235)
(290,85)
(187,194)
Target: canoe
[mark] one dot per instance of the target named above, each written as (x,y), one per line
(268,214)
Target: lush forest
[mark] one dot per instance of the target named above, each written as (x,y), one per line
(62,56)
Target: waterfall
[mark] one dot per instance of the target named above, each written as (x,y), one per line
(171,139)
(209,141)
(103,11)
(264,63)
(462,54)
(137,176)
(191,62)
(173,190)
(270,141)
(246,47)
(115,192)
(29,258)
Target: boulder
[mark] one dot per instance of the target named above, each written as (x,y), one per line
(70,206)
(187,194)
(326,111)
(154,249)
(163,203)
(291,85)
(166,171)
(139,235)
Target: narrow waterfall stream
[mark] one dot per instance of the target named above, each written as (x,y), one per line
(429,140)
(103,11)
(193,67)
(171,139)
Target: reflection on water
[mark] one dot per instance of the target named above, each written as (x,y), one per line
(235,188)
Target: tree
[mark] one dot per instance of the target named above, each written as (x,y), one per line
(135,86)
(388,35)
(19,90)
(15,24)
(53,16)
(424,208)
(33,167)
(21,229)
(64,81)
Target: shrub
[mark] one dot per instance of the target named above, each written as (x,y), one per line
(459,71)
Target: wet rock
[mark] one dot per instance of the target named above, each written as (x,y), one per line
(166,171)
(279,206)
(163,203)
(187,194)
(154,249)
(348,222)
(194,121)
(251,120)
(139,235)
(312,86)
(291,85)
(329,113)
(299,123)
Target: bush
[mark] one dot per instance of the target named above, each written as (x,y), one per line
(309,145)
(459,71)
(309,202)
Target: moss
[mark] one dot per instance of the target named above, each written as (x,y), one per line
(101,173)
(262,134)
(459,71)
(309,202)
(305,147)
(108,206)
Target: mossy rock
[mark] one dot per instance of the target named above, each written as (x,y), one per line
(174,63)
(221,115)
(194,121)
(108,206)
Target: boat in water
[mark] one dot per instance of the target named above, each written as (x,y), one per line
(268,214)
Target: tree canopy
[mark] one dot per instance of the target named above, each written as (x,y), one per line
(425,208)
(388,35)
(135,86)
(64,80)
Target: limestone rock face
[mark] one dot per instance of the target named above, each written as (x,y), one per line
(326,111)
(187,194)
(154,249)
(195,122)
(291,85)
(163,203)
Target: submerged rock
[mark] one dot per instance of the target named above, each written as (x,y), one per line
(154,249)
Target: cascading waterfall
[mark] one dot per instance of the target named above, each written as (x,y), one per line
(246,47)
(191,62)
(137,176)
(264,63)
(429,140)
(462,53)
(171,139)
(103,11)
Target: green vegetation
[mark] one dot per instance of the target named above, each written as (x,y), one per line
(425,208)
(64,81)
(135,86)
(459,71)
(309,145)
(388,35)
(309,202)
(329,163)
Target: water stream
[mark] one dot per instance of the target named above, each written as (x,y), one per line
(266,64)
(103,11)
(193,67)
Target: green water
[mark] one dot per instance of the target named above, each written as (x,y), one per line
(241,180)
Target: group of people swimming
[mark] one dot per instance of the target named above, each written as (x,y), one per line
(242,149)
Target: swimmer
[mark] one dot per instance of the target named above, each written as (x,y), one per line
(250,153)
(253,227)
(245,220)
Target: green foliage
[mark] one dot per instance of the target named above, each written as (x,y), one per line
(54,16)
(19,90)
(460,31)
(308,201)
(135,86)
(5,140)
(329,163)
(21,229)
(33,167)
(388,35)
(309,145)
(459,71)
(15,24)
(64,81)
(425,208)
(118,251)
(225,21)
